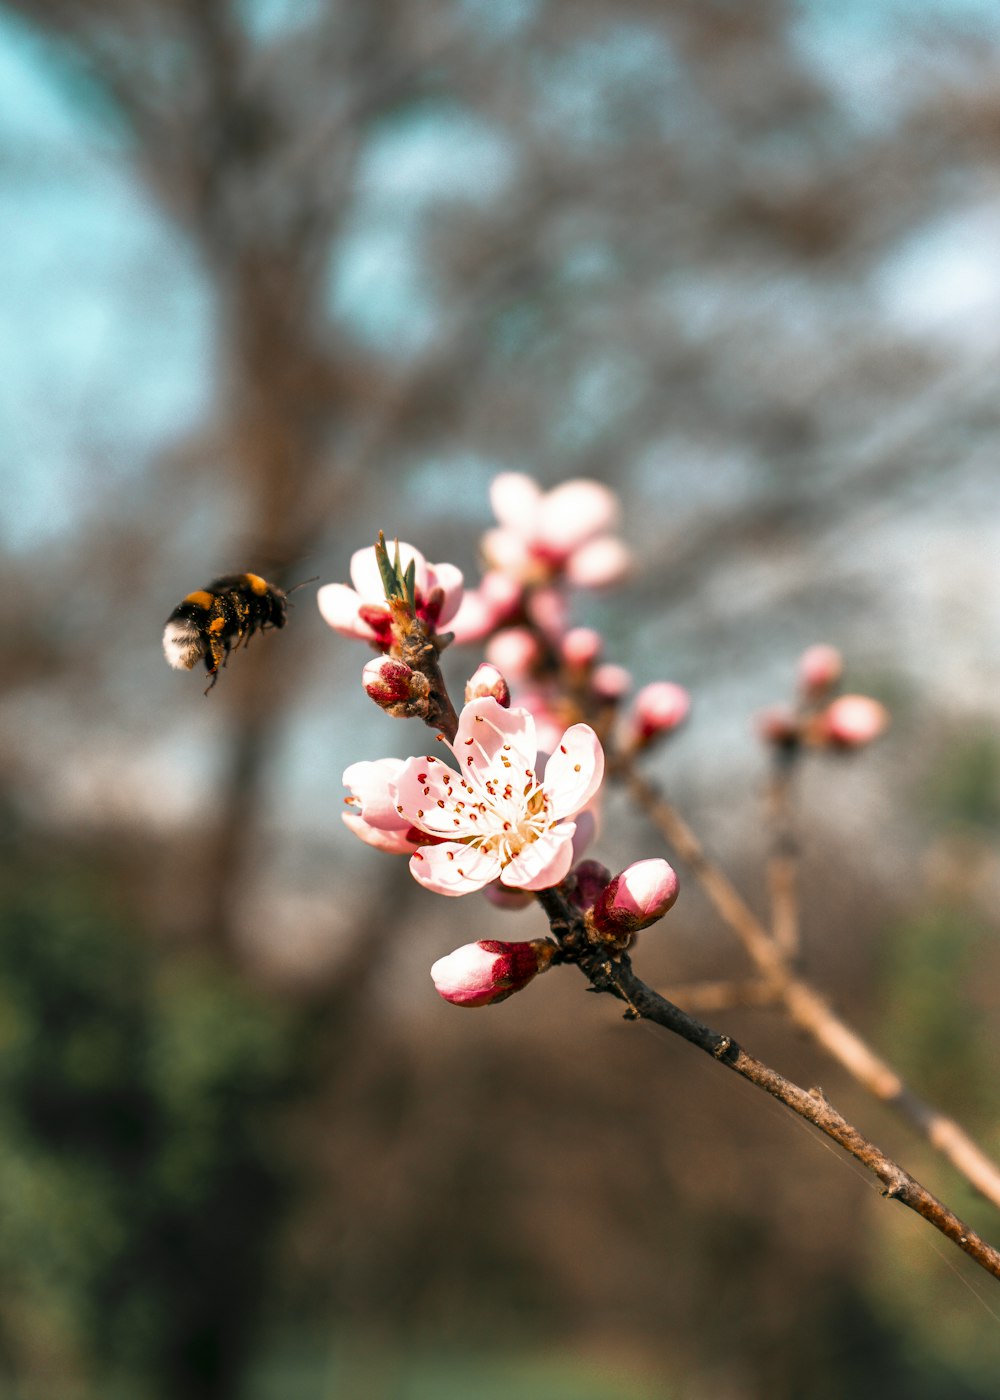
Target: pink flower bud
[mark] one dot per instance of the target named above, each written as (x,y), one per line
(635,899)
(820,668)
(610,682)
(514,652)
(581,647)
(659,708)
(487,680)
(851,721)
(391,683)
(479,974)
(586,882)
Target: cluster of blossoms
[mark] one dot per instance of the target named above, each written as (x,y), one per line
(514,809)
(821,718)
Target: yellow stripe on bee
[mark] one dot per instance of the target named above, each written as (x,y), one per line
(200,599)
(258,584)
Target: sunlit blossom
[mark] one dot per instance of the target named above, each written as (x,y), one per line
(495,818)
(362,612)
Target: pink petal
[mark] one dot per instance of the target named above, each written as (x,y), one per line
(600,563)
(515,499)
(575,771)
(573,513)
(450,580)
(453,868)
(396,843)
(542,863)
(426,790)
(491,737)
(339,606)
(372,784)
(506,550)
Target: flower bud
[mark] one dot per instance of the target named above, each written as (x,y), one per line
(851,721)
(635,899)
(487,680)
(393,685)
(586,882)
(820,668)
(609,682)
(658,708)
(478,974)
(581,647)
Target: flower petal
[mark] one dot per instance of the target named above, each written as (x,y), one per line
(515,499)
(371,784)
(339,606)
(428,795)
(397,843)
(449,578)
(453,868)
(492,738)
(575,771)
(542,863)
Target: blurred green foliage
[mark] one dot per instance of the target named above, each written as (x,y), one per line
(139,1182)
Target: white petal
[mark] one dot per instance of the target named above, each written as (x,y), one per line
(339,606)
(515,499)
(495,742)
(372,783)
(447,577)
(428,792)
(542,863)
(453,868)
(575,771)
(365,573)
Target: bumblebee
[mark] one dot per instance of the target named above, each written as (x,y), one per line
(213,621)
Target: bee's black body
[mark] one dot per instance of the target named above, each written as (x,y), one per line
(212,621)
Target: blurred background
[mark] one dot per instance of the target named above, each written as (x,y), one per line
(280,273)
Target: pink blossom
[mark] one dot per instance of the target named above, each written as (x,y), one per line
(479,974)
(515,651)
(496,819)
(658,708)
(819,668)
(545,533)
(373,817)
(484,609)
(362,612)
(636,898)
(853,720)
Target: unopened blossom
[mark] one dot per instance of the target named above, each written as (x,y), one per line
(586,882)
(581,647)
(610,683)
(851,721)
(479,974)
(495,818)
(372,814)
(542,534)
(362,611)
(488,680)
(636,898)
(392,684)
(820,668)
(658,708)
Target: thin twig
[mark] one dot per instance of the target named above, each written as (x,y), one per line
(805,1006)
(783,862)
(614,974)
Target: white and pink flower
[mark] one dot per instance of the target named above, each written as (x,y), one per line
(567,531)
(635,898)
(495,818)
(362,611)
